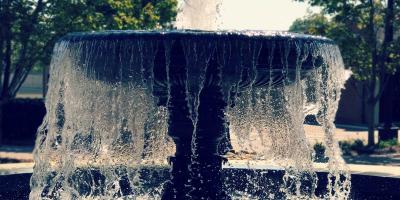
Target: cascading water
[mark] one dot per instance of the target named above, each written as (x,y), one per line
(116,97)
(105,132)
(268,122)
(89,119)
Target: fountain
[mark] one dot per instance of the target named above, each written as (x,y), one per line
(121,102)
(115,96)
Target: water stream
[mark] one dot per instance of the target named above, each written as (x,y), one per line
(105,132)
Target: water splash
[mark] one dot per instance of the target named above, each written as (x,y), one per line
(105,132)
(199,15)
(268,123)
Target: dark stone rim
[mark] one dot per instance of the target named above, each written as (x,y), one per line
(16,186)
(195,34)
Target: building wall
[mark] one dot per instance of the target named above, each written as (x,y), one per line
(390,103)
(32,87)
(352,108)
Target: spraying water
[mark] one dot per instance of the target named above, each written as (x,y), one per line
(105,132)
(199,15)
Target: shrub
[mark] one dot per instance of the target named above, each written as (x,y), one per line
(319,152)
(387,143)
(358,145)
(346,147)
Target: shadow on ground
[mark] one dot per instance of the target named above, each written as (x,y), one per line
(387,159)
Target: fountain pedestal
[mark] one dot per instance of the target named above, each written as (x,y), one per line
(206,163)
(196,166)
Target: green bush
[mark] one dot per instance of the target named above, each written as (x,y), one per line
(387,143)
(346,147)
(319,152)
(358,145)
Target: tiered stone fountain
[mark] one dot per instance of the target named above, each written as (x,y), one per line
(115,95)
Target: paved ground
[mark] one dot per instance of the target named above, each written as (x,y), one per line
(372,170)
(16,154)
(16,168)
(342,133)
(351,133)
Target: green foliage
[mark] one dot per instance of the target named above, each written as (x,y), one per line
(388,143)
(31,27)
(111,14)
(345,146)
(354,51)
(93,15)
(349,26)
(357,147)
(394,57)
(319,152)
(354,147)
(367,32)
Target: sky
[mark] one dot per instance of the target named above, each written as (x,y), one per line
(261,14)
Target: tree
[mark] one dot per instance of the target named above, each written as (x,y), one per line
(365,31)
(29,29)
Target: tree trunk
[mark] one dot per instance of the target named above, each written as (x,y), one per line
(1,121)
(386,110)
(7,39)
(7,67)
(372,86)
(371,123)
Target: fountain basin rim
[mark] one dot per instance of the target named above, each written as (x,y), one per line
(16,186)
(172,34)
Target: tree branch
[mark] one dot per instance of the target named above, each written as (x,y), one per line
(16,84)
(373,43)
(383,56)
(7,38)
(27,28)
